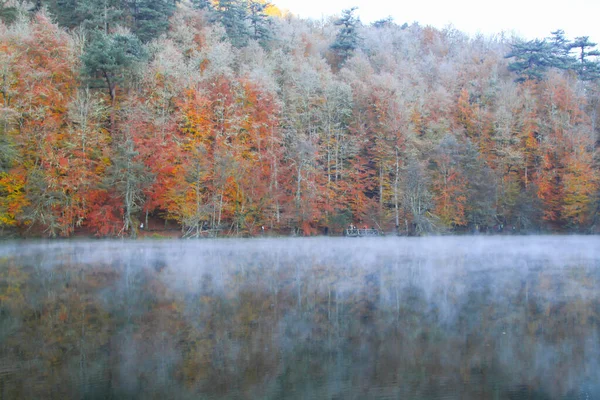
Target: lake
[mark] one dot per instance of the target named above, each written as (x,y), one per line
(315,318)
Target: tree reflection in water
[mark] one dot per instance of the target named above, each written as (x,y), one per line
(463,318)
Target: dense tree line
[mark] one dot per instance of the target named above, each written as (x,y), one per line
(229,116)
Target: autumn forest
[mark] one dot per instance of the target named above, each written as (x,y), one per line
(234,118)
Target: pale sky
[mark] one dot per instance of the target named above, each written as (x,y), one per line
(527,18)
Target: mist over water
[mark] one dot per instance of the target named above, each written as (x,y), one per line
(318,318)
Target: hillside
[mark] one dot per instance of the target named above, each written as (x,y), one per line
(230,116)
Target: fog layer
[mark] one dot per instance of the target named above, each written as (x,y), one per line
(426,318)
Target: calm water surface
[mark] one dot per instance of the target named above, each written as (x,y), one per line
(381,318)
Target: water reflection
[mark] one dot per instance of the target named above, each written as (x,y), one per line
(437,318)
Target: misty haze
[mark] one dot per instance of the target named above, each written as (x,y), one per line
(314,318)
(359,200)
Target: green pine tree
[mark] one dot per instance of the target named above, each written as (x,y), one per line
(8,14)
(150,18)
(533,58)
(90,14)
(233,15)
(108,57)
(587,65)
(259,21)
(347,39)
(561,49)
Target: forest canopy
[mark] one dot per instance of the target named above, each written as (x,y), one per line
(232,116)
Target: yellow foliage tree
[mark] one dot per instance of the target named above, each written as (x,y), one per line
(12,198)
(580,185)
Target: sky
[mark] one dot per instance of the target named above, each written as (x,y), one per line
(528,19)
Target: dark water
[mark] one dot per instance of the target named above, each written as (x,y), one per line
(439,318)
